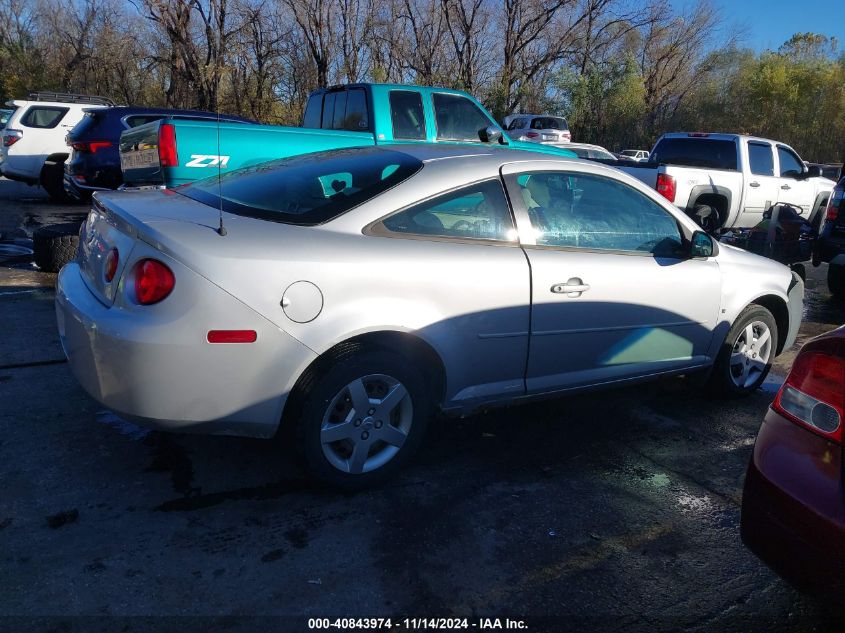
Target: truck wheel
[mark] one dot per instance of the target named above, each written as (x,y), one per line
(836,277)
(52,179)
(360,418)
(55,245)
(747,353)
(706,217)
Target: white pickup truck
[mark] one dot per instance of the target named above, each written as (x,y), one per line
(728,180)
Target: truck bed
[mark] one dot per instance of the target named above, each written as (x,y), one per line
(203,147)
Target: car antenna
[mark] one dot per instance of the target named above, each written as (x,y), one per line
(221,230)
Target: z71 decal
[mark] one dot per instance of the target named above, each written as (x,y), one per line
(207,160)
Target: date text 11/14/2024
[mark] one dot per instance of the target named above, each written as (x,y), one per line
(416,624)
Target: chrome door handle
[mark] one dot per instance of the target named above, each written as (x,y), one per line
(787,187)
(754,184)
(572,288)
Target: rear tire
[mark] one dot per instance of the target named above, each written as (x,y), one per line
(354,447)
(52,179)
(747,353)
(836,280)
(55,245)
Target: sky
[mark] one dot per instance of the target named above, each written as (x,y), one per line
(769,23)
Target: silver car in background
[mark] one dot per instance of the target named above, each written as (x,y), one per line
(349,294)
(538,128)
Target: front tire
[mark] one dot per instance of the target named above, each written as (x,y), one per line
(747,353)
(361,418)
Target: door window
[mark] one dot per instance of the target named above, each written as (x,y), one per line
(458,118)
(478,212)
(594,212)
(43,117)
(760,159)
(406,113)
(790,165)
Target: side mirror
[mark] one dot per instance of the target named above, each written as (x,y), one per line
(813,171)
(701,245)
(490,134)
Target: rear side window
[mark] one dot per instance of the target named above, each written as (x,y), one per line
(43,116)
(696,152)
(790,165)
(458,118)
(406,113)
(477,212)
(760,159)
(307,189)
(313,111)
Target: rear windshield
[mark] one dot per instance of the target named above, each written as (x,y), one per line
(549,123)
(308,189)
(88,123)
(696,152)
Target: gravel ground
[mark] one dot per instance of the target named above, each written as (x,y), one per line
(611,511)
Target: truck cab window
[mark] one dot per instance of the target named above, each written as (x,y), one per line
(458,118)
(406,113)
(790,165)
(760,159)
(313,111)
(356,119)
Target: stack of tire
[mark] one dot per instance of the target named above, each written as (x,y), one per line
(55,245)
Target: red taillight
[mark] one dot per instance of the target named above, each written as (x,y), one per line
(532,134)
(814,393)
(11,137)
(110,267)
(666,186)
(153,281)
(167,156)
(836,199)
(85,147)
(232,336)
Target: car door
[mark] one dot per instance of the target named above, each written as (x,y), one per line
(762,184)
(459,250)
(794,190)
(613,296)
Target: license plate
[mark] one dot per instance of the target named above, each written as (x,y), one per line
(549,137)
(139,159)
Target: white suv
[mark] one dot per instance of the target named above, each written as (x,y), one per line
(34,149)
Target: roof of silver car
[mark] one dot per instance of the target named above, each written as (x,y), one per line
(434,151)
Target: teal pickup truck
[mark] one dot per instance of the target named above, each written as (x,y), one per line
(173,152)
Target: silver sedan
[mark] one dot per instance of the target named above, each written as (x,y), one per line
(336,300)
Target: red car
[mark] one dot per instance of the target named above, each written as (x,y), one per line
(793,505)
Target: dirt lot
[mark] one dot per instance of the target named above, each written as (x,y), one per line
(612,511)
